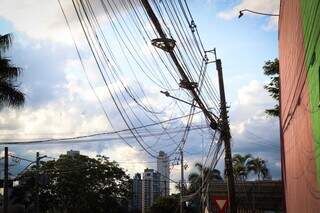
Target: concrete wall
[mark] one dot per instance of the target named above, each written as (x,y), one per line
(299,28)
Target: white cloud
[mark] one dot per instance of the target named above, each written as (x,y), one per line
(251,101)
(253,94)
(252,130)
(264,6)
(128,158)
(37,18)
(43,19)
(54,119)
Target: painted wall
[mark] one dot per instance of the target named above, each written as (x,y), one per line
(299,45)
(310,12)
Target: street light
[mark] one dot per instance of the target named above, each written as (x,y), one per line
(241,13)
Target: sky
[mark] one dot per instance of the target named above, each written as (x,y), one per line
(60,102)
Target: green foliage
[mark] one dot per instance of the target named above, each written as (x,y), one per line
(195,178)
(259,167)
(10,95)
(243,165)
(195,183)
(271,68)
(77,184)
(239,163)
(168,204)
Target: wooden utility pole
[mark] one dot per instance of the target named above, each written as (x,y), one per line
(168,44)
(185,82)
(225,134)
(37,183)
(5,182)
(182,180)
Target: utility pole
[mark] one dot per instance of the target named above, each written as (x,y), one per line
(5,182)
(225,134)
(37,183)
(182,180)
(168,44)
(203,197)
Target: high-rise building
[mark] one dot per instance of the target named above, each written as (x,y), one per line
(73,153)
(136,200)
(164,170)
(150,188)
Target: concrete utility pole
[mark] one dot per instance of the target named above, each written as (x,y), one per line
(182,180)
(225,134)
(37,183)
(5,182)
(168,45)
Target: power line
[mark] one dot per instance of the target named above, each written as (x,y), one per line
(99,134)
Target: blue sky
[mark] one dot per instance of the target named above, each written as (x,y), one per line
(60,102)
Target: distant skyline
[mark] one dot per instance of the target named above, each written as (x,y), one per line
(59,102)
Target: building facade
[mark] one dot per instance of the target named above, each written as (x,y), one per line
(150,188)
(252,196)
(163,168)
(73,153)
(299,54)
(136,200)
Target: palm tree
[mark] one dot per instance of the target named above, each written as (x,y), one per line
(239,163)
(259,167)
(195,180)
(10,95)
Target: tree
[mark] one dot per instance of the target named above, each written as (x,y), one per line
(239,163)
(195,179)
(10,95)
(165,204)
(271,68)
(259,167)
(77,184)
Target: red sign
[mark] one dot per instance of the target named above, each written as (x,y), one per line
(221,202)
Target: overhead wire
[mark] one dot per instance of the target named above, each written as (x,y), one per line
(85,71)
(90,24)
(140,122)
(105,8)
(114,97)
(102,133)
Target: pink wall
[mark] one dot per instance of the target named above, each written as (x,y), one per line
(300,168)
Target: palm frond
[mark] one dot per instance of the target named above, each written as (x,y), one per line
(10,95)
(199,166)
(193,176)
(5,42)
(7,70)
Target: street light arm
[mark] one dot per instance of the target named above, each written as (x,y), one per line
(30,164)
(255,12)
(166,93)
(25,169)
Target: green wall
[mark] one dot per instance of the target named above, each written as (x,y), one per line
(310,14)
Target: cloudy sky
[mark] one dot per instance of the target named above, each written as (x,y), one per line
(60,102)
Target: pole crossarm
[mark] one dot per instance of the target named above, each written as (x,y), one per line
(185,79)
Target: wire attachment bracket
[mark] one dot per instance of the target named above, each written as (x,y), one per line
(166,44)
(192,26)
(188,85)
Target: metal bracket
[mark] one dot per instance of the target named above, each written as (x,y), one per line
(188,85)
(192,26)
(166,44)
